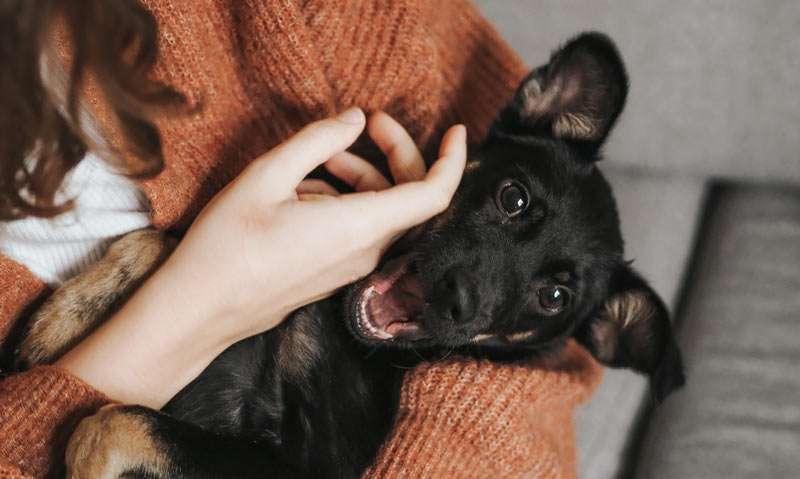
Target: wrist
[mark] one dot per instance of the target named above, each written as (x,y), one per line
(220,300)
(150,349)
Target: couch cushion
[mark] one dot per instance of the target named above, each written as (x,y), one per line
(659,217)
(713,84)
(739,416)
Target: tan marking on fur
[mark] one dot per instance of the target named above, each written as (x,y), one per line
(472,165)
(521,336)
(556,98)
(535,102)
(112,442)
(85,301)
(482,337)
(511,338)
(628,308)
(298,349)
(574,126)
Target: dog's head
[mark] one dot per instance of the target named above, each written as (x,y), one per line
(530,252)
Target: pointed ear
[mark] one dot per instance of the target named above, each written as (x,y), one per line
(632,330)
(576,97)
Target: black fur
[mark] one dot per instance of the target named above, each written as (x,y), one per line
(326,421)
(316,396)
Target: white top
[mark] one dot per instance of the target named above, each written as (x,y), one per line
(106,206)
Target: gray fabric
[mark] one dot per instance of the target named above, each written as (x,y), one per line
(659,217)
(713,83)
(713,93)
(739,417)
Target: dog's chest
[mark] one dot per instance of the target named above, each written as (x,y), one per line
(306,390)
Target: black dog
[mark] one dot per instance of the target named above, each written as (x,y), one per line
(528,254)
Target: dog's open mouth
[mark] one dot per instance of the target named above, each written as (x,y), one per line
(388,303)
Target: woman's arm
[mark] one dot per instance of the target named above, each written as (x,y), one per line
(257,252)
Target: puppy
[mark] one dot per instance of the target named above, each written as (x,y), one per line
(528,255)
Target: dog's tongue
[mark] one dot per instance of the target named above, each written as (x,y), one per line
(397,302)
(400,301)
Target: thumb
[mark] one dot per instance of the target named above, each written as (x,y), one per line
(284,167)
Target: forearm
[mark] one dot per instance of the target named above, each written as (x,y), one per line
(150,349)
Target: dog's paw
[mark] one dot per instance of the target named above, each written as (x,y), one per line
(59,323)
(35,348)
(83,302)
(114,442)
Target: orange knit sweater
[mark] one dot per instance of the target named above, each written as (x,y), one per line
(261,70)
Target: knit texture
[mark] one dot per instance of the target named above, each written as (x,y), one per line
(476,419)
(19,289)
(38,410)
(257,71)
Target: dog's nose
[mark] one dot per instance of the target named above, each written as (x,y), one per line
(458,302)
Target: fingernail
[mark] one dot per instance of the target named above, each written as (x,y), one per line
(352,116)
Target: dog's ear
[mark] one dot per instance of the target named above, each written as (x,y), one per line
(576,97)
(632,330)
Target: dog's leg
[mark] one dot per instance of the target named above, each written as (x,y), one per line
(133,441)
(116,441)
(83,302)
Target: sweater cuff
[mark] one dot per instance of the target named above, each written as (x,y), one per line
(39,409)
(19,288)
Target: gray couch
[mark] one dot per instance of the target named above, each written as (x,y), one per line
(706,167)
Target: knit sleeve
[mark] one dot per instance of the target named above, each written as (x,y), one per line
(39,408)
(18,289)
(479,67)
(38,411)
(465,418)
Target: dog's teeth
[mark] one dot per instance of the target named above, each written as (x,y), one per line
(363,323)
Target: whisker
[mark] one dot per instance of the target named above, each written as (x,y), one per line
(446,354)
(417,352)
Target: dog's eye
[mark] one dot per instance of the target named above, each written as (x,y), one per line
(512,198)
(553,299)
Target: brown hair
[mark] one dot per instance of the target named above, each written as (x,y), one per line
(41,141)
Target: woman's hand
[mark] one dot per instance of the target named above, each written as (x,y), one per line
(265,252)
(266,245)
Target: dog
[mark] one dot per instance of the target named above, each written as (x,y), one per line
(528,255)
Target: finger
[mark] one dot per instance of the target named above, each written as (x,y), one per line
(317,187)
(405,160)
(410,204)
(356,172)
(313,197)
(283,167)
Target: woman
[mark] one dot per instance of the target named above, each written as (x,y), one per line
(188,110)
